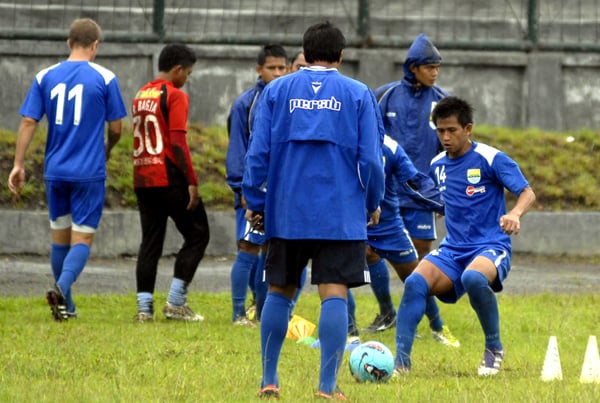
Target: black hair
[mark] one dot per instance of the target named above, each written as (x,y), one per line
(453,106)
(323,42)
(270,50)
(295,56)
(175,54)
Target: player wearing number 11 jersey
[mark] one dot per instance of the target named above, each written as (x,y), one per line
(166,185)
(78,97)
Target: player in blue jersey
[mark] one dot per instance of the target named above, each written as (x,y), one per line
(78,97)
(474,257)
(313,173)
(248,266)
(406,107)
(389,239)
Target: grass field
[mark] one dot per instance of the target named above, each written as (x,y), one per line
(103,356)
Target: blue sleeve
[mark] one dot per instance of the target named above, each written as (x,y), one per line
(509,173)
(423,191)
(238,144)
(257,157)
(370,159)
(115,105)
(33,105)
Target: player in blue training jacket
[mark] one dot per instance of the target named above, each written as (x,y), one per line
(248,266)
(406,107)
(313,172)
(474,257)
(78,97)
(389,239)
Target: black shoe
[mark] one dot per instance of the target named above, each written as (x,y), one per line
(382,322)
(58,304)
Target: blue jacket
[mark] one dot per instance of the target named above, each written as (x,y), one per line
(406,111)
(238,128)
(402,176)
(314,164)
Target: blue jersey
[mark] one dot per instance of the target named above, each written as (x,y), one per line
(399,170)
(472,188)
(238,127)
(78,98)
(314,164)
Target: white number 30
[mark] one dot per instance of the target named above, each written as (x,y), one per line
(144,139)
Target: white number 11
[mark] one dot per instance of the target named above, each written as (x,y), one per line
(75,92)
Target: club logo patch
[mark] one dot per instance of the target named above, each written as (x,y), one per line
(474,175)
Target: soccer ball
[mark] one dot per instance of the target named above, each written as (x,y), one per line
(372,362)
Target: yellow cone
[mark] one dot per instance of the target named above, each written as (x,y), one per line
(590,372)
(552,370)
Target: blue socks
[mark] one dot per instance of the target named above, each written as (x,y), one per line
(333,324)
(483,300)
(432,311)
(260,285)
(145,302)
(58,253)
(380,284)
(273,329)
(72,267)
(178,292)
(240,277)
(352,328)
(410,313)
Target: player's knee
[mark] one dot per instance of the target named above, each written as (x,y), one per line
(472,279)
(415,286)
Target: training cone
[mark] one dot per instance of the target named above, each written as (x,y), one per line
(552,370)
(590,372)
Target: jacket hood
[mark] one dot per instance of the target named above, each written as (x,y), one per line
(422,51)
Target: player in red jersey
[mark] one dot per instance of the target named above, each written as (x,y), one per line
(166,184)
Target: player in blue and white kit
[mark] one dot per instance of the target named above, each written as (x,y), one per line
(389,239)
(248,266)
(313,172)
(78,97)
(406,107)
(474,257)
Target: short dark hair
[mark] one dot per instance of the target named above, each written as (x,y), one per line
(295,56)
(175,54)
(84,32)
(453,106)
(323,42)
(270,50)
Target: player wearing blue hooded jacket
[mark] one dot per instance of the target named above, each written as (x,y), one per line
(406,107)
(313,170)
(247,269)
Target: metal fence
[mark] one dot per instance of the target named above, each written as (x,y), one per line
(459,24)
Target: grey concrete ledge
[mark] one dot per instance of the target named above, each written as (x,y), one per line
(27,232)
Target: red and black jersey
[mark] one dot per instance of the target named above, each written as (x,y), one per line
(161,156)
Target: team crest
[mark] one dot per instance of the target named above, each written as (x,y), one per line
(316,86)
(474,175)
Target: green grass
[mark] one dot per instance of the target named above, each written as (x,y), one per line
(104,357)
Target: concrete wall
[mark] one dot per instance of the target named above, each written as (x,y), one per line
(27,232)
(549,90)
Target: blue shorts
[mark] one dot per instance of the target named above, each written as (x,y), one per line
(244,230)
(75,204)
(419,223)
(396,248)
(453,262)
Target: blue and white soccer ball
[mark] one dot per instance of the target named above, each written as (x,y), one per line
(372,362)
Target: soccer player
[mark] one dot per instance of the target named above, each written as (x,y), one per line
(316,144)
(78,97)
(389,239)
(297,61)
(406,107)
(474,257)
(166,184)
(248,266)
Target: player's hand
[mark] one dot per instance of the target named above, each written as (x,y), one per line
(256,220)
(194,198)
(510,224)
(16,180)
(374,217)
